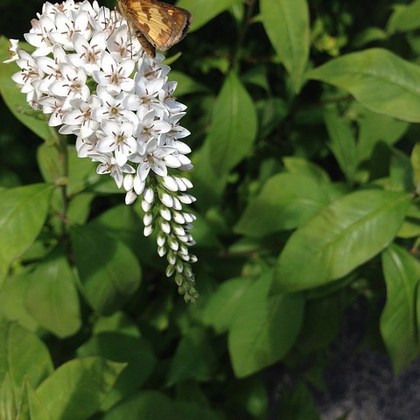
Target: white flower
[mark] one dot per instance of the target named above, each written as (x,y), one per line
(118,139)
(72,86)
(13,50)
(68,26)
(94,81)
(121,46)
(39,36)
(149,127)
(88,53)
(109,166)
(79,120)
(112,107)
(115,77)
(153,159)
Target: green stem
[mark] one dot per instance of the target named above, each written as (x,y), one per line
(61,145)
(242,32)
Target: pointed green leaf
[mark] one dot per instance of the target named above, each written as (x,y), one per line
(205,10)
(144,405)
(153,405)
(12,300)
(234,126)
(22,354)
(298,165)
(344,235)
(8,408)
(286,201)
(77,389)
(221,306)
(194,358)
(342,143)
(108,270)
(398,323)
(52,297)
(31,407)
(23,211)
(186,84)
(378,79)
(287,25)
(404,17)
(120,347)
(374,127)
(263,328)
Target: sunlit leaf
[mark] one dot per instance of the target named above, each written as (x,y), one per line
(399,324)
(22,354)
(77,388)
(287,25)
(205,10)
(263,328)
(345,234)
(378,79)
(234,126)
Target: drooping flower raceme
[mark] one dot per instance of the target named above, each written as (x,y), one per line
(94,81)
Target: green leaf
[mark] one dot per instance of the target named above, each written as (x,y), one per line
(285,202)
(298,404)
(194,358)
(12,300)
(120,347)
(398,323)
(193,411)
(378,79)
(77,389)
(415,162)
(222,304)
(263,328)
(342,143)
(186,84)
(205,10)
(144,405)
(52,297)
(368,35)
(374,127)
(209,185)
(404,18)
(124,224)
(411,225)
(347,233)
(118,322)
(400,172)
(234,126)
(287,26)
(321,323)
(7,399)
(151,405)
(82,173)
(50,162)
(297,165)
(79,208)
(108,270)
(16,101)
(22,354)
(31,407)
(23,211)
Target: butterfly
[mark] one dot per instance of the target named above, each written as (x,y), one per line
(155,24)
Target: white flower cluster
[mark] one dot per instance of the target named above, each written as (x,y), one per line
(94,80)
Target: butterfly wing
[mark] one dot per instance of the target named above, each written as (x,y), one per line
(161,24)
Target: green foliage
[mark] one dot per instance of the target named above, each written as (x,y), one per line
(307,176)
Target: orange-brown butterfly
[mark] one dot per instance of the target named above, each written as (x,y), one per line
(155,24)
